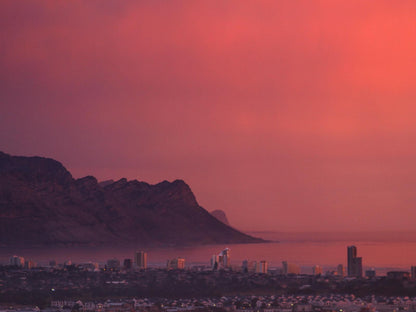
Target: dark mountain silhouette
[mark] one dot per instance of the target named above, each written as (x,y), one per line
(42,205)
(220,215)
(106,183)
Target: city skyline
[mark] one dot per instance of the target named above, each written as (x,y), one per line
(222,262)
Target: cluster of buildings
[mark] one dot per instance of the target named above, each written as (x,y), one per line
(355,268)
(20,262)
(218,262)
(222,261)
(176,264)
(73,282)
(139,261)
(255,266)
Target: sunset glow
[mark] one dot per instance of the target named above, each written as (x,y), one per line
(287,115)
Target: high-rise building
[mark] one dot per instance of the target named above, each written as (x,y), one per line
(355,265)
(17,261)
(29,264)
(358,264)
(351,255)
(177,263)
(224,258)
(140,259)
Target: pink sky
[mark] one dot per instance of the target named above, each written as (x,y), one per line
(288,115)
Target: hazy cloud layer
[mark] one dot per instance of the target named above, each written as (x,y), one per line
(288,115)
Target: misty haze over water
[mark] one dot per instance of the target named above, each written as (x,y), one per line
(383,251)
(325,236)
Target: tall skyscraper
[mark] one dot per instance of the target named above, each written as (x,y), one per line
(355,265)
(140,259)
(351,255)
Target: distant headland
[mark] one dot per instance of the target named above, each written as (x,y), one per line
(41,204)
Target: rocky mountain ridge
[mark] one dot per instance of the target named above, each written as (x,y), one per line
(41,204)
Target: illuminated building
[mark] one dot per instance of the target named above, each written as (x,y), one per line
(224,259)
(29,264)
(290,268)
(177,263)
(316,270)
(262,267)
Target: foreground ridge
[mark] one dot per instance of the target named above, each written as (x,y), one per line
(41,204)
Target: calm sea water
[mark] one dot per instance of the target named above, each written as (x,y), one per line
(383,251)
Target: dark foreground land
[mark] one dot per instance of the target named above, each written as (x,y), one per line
(40,286)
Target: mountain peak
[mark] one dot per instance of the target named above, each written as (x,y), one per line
(220,215)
